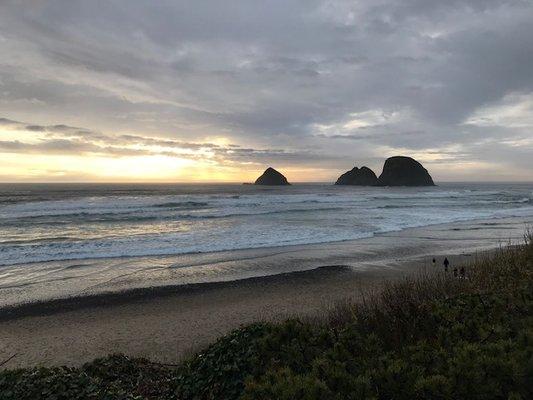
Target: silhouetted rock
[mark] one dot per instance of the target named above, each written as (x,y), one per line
(404,171)
(271,177)
(360,177)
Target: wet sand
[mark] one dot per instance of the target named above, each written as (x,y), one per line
(52,280)
(166,323)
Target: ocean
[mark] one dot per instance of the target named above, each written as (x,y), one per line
(46,230)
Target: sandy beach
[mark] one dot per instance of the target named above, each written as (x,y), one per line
(168,322)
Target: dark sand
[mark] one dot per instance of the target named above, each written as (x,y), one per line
(167,323)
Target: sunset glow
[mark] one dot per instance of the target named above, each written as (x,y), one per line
(194,93)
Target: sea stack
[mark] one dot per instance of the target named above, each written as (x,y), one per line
(363,176)
(404,171)
(271,177)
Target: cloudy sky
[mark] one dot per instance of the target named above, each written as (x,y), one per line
(169,90)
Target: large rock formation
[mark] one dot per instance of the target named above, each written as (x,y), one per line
(404,171)
(271,177)
(360,177)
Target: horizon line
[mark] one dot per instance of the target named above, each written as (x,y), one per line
(232,182)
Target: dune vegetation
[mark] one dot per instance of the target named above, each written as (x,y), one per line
(431,336)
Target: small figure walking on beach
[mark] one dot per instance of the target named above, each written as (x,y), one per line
(434,262)
(446,263)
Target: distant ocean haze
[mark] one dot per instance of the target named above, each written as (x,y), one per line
(41,223)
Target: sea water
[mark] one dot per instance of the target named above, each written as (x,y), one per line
(74,222)
(47,228)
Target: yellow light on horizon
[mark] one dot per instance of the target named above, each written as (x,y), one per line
(141,167)
(18,135)
(92,168)
(42,167)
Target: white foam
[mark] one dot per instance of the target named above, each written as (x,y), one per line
(118,226)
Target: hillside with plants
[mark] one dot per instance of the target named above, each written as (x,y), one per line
(429,337)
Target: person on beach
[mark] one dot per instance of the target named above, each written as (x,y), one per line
(462,272)
(446,263)
(434,262)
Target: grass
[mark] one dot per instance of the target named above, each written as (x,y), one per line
(429,337)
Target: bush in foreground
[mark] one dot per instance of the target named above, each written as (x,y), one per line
(432,337)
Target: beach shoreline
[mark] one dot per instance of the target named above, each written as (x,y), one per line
(170,324)
(110,299)
(166,323)
(50,282)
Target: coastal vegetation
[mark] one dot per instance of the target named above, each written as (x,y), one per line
(433,336)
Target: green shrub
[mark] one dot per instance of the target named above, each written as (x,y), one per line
(219,372)
(480,349)
(113,378)
(46,383)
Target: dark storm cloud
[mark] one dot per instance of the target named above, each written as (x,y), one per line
(294,75)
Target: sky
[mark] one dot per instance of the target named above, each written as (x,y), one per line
(216,91)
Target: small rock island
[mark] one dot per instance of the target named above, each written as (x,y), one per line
(404,171)
(272,177)
(363,176)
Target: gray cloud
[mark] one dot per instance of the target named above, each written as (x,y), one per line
(271,76)
(69,140)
